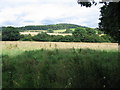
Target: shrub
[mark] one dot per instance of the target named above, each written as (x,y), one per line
(26,38)
(50,31)
(43,36)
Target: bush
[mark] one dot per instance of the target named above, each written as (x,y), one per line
(43,36)
(68,31)
(50,31)
(26,38)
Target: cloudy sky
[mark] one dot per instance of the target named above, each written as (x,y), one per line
(41,12)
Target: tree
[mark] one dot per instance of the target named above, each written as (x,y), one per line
(110,20)
(10,34)
(43,36)
(110,17)
(89,35)
(26,38)
(86,3)
(90,31)
(68,30)
(79,34)
(50,31)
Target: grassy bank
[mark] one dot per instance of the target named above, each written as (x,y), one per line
(63,68)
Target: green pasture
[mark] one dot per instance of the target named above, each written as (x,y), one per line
(61,68)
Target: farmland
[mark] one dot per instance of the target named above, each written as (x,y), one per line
(60,65)
(10,46)
(35,32)
(59,60)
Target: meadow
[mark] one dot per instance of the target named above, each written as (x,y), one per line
(56,32)
(59,65)
(16,47)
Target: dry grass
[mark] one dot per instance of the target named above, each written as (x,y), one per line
(35,33)
(13,48)
(63,34)
(31,45)
(31,33)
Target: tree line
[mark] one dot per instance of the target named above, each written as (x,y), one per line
(79,35)
(46,27)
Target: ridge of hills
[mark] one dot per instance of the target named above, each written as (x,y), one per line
(51,26)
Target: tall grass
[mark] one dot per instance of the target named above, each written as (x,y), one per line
(70,68)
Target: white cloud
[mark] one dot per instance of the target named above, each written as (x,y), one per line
(36,12)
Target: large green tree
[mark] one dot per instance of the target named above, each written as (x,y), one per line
(10,34)
(110,17)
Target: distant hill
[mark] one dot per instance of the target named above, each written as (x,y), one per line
(53,27)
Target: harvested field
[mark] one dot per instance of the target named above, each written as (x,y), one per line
(35,33)
(31,45)
(63,34)
(31,33)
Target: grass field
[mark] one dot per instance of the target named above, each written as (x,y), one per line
(63,30)
(61,68)
(35,33)
(56,32)
(20,46)
(28,64)
(31,33)
(59,31)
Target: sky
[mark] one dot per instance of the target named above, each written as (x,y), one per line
(44,12)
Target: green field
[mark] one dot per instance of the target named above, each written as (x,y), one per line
(61,68)
(35,31)
(13,48)
(59,65)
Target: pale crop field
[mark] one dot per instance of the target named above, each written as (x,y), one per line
(63,30)
(17,47)
(31,33)
(35,33)
(63,34)
(59,31)
(56,32)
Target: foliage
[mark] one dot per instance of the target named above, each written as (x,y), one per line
(26,38)
(89,35)
(68,30)
(79,35)
(52,27)
(50,31)
(110,17)
(43,36)
(10,34)
(74,68)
